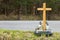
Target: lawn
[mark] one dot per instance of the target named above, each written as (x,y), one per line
(25,35)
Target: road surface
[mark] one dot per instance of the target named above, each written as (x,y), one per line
(28,25)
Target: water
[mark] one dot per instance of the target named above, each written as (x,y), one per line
(28,25)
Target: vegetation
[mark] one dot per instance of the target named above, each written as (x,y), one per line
(25,35)
(17,9)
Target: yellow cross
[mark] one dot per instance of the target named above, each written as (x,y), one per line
(44,15)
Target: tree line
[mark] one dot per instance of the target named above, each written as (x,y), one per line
(29,7)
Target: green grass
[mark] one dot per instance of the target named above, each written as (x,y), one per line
(25,35)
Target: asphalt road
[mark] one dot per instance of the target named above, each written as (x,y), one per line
(28,25)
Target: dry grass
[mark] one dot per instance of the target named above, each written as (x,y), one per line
(26,17)
(25,35)
(22,17)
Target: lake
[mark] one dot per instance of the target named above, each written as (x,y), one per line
(28,25)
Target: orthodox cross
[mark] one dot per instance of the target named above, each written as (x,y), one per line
(44,9)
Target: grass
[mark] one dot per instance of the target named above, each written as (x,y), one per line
(25,35)
(22,17)
(26,17)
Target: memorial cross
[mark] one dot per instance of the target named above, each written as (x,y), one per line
(44,9)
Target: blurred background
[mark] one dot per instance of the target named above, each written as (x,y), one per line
(27,9)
